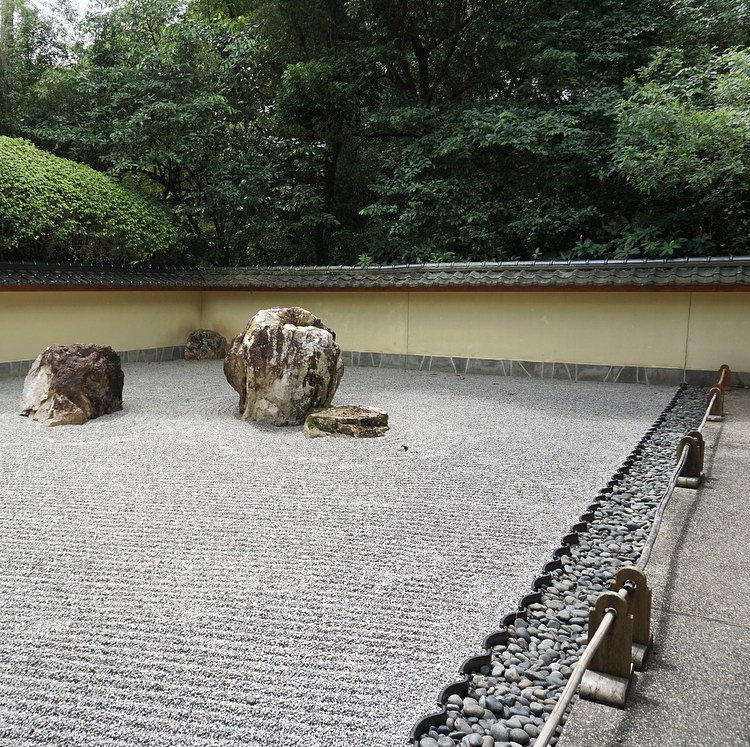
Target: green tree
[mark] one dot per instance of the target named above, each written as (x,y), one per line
(510,157)
(31,43)
(159,96)
(684,143)
(283,131)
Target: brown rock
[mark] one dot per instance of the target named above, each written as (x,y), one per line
(284,365)
(206,344)
(347,420)
(70,384)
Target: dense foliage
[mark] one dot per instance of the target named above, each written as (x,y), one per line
(338,131)
(53,209)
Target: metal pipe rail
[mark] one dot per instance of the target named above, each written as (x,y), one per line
(555,718)
(709,409)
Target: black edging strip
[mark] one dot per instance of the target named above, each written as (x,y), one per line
(499,637)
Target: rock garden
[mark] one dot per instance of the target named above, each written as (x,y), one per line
(175,575)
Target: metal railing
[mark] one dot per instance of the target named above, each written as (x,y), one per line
(619,623)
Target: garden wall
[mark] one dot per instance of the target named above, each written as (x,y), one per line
(659,329)
(126,320)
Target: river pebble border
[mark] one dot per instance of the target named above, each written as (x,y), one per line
(506,694)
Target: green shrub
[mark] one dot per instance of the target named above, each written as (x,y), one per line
(53,209)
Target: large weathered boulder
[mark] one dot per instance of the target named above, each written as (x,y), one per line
(284,365)
(347,420)
(206,345)
(70,384)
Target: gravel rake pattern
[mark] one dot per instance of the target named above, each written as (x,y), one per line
(174,576)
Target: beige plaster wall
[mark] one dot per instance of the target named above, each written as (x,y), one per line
(651,328)
(719,331)
(125,320)
(661,329)
(644,329)
(372,321)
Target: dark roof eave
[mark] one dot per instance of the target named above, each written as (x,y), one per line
(702,272)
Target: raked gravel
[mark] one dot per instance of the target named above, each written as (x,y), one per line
(170,575)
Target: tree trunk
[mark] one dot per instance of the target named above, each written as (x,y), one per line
(7,11)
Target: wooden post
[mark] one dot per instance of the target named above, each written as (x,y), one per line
(701,446)
(691,474)
(639,605)
(717,408)
(607,679)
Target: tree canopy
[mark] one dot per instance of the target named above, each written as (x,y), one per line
(379,131)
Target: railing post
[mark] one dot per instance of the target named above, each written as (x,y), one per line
(691,474)
(725,377)
(716,412)
(639,605)
(607,679)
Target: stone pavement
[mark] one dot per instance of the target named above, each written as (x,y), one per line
(695,688)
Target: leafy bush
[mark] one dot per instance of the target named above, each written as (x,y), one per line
(53,209)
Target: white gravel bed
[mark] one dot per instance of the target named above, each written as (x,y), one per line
(171,575)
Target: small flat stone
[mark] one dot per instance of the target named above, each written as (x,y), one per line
(348,420)
(500,733)
(493,704)
(531,730)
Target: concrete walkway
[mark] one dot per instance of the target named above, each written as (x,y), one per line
(695,688)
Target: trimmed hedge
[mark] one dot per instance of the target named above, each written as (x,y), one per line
(53,209)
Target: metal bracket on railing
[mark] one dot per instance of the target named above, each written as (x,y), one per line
(691,474)
(639,601)
(607,679)
(716,413)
